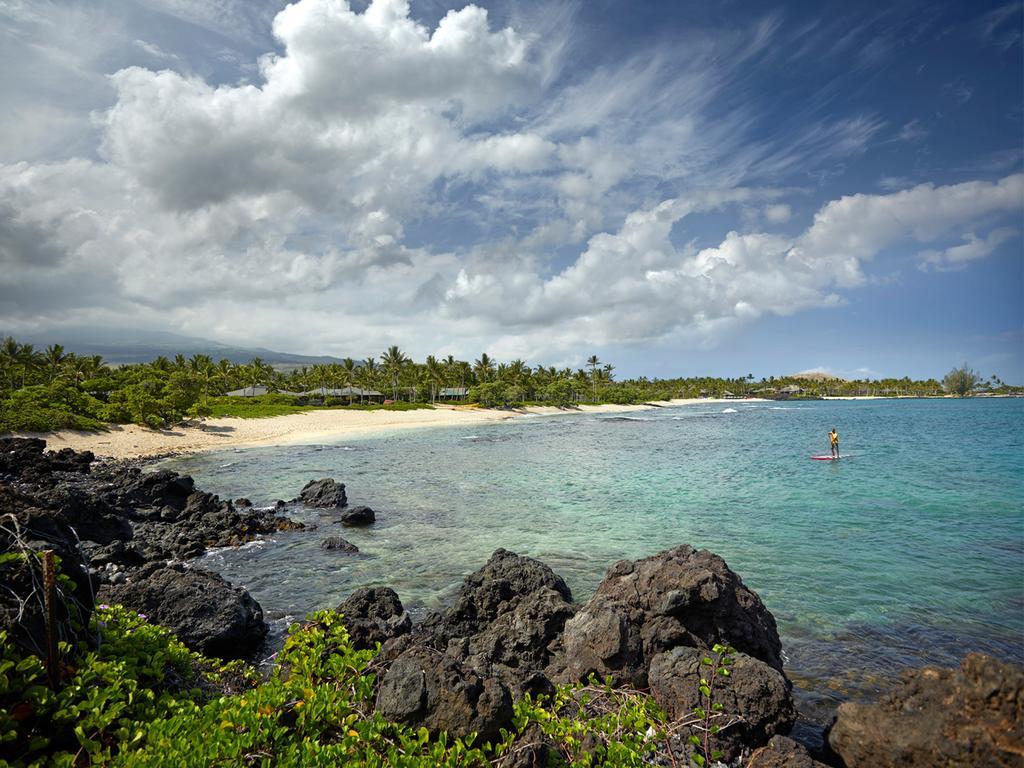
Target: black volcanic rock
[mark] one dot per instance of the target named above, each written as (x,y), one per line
(756,699)
(338,544)
(323,494)
(783,752)
(504,621)
(425,688)
(202,609)
(358,516)
(105,520)
(374,615)
(680,597)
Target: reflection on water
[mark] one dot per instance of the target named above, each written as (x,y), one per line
(911,553)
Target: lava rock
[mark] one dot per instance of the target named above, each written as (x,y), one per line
(323,494)
(504,621)
(680,597)
(756,699)
(242,502)
(358,516)
(426,688)
(374,615)
(938,717)
(202,609)
(783,752)
(338,544)
(531,749)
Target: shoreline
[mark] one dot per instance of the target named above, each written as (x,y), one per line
(130,441)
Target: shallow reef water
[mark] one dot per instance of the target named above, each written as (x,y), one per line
(908,551)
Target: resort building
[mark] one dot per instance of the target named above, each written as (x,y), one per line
(453,393)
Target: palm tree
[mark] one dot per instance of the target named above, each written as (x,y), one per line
(593,362)
(201,367)
(393,362)
(29,360)
(10,351)
(435,375)
(484,368)
(257,372)
(368,373)
(223,374)
(55,359)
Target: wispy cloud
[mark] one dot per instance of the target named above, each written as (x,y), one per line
(1000,28)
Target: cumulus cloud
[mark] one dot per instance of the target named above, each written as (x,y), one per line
(446,187)
(636,285)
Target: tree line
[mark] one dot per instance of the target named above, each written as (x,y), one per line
(46,389)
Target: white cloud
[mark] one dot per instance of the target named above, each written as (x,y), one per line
(779,213)
(291,210)
(635,285)
(958,256)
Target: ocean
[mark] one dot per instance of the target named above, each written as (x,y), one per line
(908,551)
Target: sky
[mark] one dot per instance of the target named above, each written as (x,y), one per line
(682,188)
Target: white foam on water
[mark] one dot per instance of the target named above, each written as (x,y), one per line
(730,410)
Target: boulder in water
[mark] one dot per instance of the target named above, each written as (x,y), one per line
(973,715)
(338,544)
(323,494)
(358,516)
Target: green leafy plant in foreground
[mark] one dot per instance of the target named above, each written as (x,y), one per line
(140,698)
(139,673)
(708,710)
(593,724)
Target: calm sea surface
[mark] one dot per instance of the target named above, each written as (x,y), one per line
(909,551)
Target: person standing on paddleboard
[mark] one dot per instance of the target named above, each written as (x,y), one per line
(833,437)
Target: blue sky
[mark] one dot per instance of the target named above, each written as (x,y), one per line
(681,188)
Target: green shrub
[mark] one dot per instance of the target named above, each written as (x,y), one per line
(142,699)
(139,673)
(46,408)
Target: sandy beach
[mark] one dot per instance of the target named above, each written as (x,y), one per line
(129,441)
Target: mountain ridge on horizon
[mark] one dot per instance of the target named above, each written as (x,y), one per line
(120,346)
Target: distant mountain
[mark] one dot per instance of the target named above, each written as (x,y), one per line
(121,346)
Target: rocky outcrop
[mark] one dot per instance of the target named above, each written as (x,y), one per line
(756,699)
(323,494)
(504,621)
(123,515)
(681,597)
(374,615)
(424,687)
(203,610)
(111,523)
(338,544)
(358,516)
(937,717)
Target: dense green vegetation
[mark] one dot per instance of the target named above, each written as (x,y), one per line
(51,389)
(140,698)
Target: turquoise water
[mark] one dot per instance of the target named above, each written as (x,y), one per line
(909,551)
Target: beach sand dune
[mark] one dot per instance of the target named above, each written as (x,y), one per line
(128,441)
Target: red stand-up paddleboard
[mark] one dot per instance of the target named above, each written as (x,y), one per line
(824,458)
